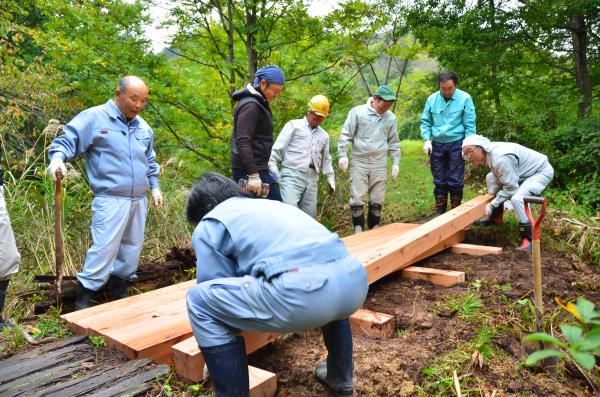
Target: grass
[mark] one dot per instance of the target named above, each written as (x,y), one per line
(467,306)
(438,377)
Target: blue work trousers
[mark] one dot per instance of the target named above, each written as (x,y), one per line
(293,301)
(447,167)
(118,235)
(265,177)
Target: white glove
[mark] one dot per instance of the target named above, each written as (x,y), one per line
(343,164)
(275,171)
(254,184)
(157,197)
(56,164)
(331,183)
(427,147)
(488,210)
(395,170)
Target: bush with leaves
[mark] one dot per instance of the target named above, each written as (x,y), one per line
(582,340)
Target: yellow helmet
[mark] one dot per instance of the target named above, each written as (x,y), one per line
(320,105)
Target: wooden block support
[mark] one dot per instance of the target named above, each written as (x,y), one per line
(477,250)
(369,323)
(399,252)
(188,359)
(442,278)
(262,383)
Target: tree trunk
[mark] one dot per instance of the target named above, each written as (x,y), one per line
(230,51)
(582,73)
(495,84)
(250,36)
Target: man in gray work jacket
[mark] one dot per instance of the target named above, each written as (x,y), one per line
(515,172)
(373,132)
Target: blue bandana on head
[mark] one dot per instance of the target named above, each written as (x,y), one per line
(272,74)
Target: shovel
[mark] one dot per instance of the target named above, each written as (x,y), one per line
(549,363)
(58,242)
(536,255)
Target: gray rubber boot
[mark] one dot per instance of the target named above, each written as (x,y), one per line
(84,297)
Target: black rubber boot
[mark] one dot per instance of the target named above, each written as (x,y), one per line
(84,297)
(358,218)
(495,218)
(117,287)
(456,196)
(228,368)
(441,203)
(3,291)
(527,235)
(337,371)
(374,215)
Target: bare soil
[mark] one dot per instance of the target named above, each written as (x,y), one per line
(426,330)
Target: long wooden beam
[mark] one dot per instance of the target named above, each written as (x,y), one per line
(398,252)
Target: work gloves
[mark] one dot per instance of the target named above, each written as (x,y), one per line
(488,210)
(331,183)
(427,147)
(395,170)
(275,173)
(157,197)
(343,164)
(56,164)
(254,185)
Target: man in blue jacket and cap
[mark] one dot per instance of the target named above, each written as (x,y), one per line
(265,266)
(121,166)
(252,137)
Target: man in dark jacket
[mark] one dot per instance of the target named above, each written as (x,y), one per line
(252,137)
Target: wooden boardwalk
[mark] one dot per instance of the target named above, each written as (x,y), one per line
(149,324)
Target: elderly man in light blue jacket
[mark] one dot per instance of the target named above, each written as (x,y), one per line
(302,149)
(372,130)
(447,119)
(121,166)
(515,172)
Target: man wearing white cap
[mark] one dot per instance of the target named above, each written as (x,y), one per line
(516,171)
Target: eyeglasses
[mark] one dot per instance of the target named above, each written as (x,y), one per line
(467,154)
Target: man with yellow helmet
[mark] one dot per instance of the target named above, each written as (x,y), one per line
(302,151)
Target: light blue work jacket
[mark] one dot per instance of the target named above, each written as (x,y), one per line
(243,236)
(119,156)
(448,121)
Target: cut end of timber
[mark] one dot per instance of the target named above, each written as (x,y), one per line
(477,250)
(369,323)
(262,383)
(440,278)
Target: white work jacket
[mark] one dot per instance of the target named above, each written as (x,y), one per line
(299,145)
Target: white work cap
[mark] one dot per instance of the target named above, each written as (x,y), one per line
(477,140)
